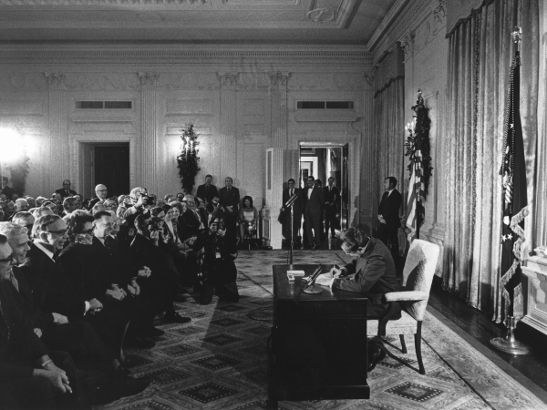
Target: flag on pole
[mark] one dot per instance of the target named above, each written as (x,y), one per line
(415,197)
(417,149)
(513,171)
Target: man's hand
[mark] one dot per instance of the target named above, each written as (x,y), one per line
(324,279)
(57,377)
(38,331)
(230,208)
(59,319)
(144,272)
(135,286)
(95,306)
(116,292)
(155,236)
(335,271)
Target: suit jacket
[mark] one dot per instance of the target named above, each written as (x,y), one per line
(231,198)
(64,194)
(314,205)
(18,353)
(373,273)
(8,191)
(332,195)
(54,289)
(389,208)
(207,193)
(34,315)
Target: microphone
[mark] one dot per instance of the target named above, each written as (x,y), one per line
(291,200)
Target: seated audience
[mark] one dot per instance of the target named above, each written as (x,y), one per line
(163,282)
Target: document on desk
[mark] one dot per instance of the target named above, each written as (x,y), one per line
(296,272)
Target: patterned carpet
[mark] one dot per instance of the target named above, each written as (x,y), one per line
(218,361)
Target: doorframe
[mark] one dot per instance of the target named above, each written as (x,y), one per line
(97,138)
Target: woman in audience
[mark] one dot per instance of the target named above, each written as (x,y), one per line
(248,215)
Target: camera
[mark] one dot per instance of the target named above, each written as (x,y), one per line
(147,199)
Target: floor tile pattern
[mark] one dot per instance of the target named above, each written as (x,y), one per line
(218,361)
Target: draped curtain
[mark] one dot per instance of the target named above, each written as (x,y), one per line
(480,57)
(389,130)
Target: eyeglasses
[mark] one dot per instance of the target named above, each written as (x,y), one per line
(8,260)
(59,233)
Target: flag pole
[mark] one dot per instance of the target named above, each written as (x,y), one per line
(509,343)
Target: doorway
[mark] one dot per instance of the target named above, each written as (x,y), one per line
(108,164)
(325,160)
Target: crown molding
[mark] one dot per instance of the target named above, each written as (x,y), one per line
(51,55)
(402,22)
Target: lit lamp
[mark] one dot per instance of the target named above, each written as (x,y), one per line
(12,147)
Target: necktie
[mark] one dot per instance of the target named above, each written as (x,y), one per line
(14,280)
(66,192)
(5,321)
(291,192)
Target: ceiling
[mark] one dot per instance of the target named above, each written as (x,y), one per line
(314,22)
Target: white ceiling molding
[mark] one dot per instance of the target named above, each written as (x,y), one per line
(346,58)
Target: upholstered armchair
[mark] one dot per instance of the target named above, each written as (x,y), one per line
(417,277)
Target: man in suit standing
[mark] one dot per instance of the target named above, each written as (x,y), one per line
(332,196)
(65,191)
(228,198)
(297,212)
(388,215)
(6,190)
(207,191)
(314,200)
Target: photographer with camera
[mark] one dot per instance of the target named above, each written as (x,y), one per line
(219,271)
(141,202)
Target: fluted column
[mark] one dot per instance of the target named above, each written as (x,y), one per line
(149,137)
(369,148)
(58,132)
(228,128)
(281,164)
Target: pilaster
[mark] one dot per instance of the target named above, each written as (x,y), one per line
(369,170)
(58,131)
(228,128)
(149,132)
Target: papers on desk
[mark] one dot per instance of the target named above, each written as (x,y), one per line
(296,272)
(291,274)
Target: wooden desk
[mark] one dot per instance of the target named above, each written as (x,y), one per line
(318,346)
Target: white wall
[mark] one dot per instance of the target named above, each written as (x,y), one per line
(241,104)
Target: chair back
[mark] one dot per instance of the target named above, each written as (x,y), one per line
(418,274)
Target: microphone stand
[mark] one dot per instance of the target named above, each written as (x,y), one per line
(290,203)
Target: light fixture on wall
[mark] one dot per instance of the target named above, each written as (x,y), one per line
(13,157)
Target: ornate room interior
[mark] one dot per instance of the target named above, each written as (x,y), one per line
(256,79)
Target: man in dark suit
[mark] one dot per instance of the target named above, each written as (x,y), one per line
(332,197)
(5,189)
(314,200)
(207,191)
(388,215)
(29,378)
(102,192)
(297,212)
(228,198)
(65,191)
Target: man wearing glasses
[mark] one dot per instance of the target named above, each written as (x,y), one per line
(29,377)
(65,191)
(102,192)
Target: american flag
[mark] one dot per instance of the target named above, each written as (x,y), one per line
(415,199)
(513,172)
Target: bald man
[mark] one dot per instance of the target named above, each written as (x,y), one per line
(102,192)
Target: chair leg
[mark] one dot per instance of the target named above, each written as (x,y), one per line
(403,344)
(418,343)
